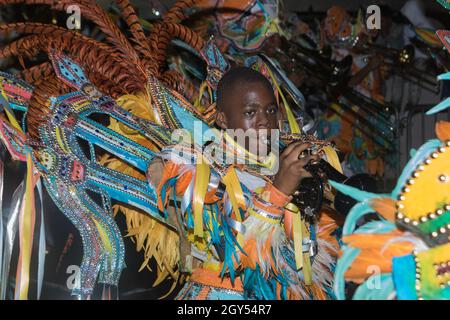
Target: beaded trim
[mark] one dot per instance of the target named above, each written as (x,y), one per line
(441,234)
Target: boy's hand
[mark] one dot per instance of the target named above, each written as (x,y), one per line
(291,172)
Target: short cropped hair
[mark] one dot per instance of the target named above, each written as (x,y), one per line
(237,77)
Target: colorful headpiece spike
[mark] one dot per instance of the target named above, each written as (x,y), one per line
(68,71)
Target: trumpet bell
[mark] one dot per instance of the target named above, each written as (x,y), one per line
(406,55)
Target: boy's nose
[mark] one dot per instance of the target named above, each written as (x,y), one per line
(262,121)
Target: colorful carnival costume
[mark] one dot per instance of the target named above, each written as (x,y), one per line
(254,251)
(364,152)
(252,243)
(239,26)
(404,252)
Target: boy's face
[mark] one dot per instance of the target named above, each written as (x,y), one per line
(250,106)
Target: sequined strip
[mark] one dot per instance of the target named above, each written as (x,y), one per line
(120,146)
(89,267)
(264,214)
(128,193)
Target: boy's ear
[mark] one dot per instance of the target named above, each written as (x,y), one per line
(221,120)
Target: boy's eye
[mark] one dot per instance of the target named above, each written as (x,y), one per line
(249,113)
(272,111)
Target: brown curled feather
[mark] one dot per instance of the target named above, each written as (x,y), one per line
(36,73)
(93,12)
(177,13)
(137,32)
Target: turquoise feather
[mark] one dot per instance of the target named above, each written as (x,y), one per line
(353,192)
(439,107)
(376,227)
(444,76)
(357,212)
(381,291)
(342,266)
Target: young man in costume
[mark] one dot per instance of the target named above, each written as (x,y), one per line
(364,151)
(240,237)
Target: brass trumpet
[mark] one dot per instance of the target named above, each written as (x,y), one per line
(310,194)
(402,61)
(404,56)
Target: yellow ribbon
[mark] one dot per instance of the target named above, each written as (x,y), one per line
(201,182)
(293,125)
(297,234)
(332,158)
(198,102)
(234,191)
(9,113)
(307,272)
(27,216)
(26,236)
(300,232)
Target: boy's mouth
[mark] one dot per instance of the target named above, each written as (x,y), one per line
(265,139)
(264,143)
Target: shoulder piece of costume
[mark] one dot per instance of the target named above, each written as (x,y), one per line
(405,253)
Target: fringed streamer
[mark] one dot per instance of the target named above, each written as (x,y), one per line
(27,217)
(42,244)
(150,236)
(202,175)
(236,197)
(297,237)
(302,259)
(231,242)
(307,272)
(2,154)
(26,232)
(12,223)
(293,125)
(9,113)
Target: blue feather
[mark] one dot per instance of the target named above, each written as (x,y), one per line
(439,107)
(444,76)
(357,212)
(342,266)
(371,290)
(353,192)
